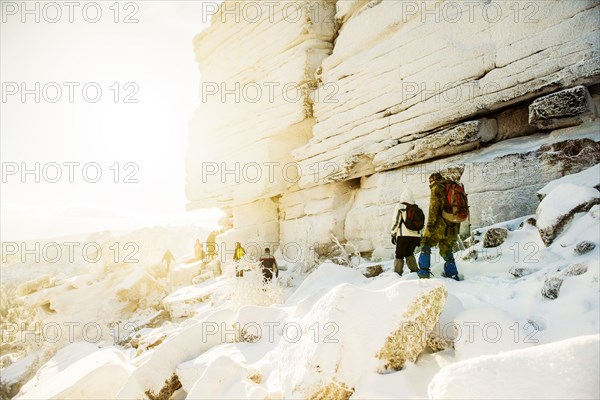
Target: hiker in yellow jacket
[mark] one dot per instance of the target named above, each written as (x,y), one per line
(238,254)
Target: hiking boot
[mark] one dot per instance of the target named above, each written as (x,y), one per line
(450,266)
(425,258)
(398,266)
(424,273)
(412,263)
(456,277)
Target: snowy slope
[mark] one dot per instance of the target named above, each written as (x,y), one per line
(507,331)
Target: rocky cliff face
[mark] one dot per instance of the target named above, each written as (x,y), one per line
(316,115)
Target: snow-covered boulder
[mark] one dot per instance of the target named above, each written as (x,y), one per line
(139,286)
(192,339)
(567,369)
(79,371)
(34,285)
(226,378)
(557,209)
(345,319)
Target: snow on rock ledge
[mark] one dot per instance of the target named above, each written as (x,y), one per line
(565,108)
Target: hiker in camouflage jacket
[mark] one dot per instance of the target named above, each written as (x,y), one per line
(438,231)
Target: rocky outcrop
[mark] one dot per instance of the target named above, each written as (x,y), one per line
(411,75)
(256,98)
(388,97)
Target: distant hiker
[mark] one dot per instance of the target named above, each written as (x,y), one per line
(168,258)
(238,254)
(211,245)
(408,221)
(269,265)
(198,250)
(447,209)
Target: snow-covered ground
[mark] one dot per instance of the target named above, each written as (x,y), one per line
(524,323)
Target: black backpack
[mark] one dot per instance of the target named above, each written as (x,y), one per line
(415,218)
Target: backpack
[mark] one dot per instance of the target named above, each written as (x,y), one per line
(455,205)
(415,218)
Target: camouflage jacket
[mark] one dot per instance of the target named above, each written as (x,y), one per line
(436,224)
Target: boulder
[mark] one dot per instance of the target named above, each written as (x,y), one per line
(584,247)
(373,271)
(565,108)
(406,312)
(494,237)
(553,282)
(519,272)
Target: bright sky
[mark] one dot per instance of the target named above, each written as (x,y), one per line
(151,61)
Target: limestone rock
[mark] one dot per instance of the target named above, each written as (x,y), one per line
(565,108)
(494,237)
(406,343)
(570,156)
(466,136)
(514,123)
(584,247)
(552,287)
(575,270)
(246,76)
(407,77)
(373,271)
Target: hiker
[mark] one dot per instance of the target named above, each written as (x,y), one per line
(448,207)
(408,222)
(238,254)
(198,250)
(269,265)
(211,245)
(168,258)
